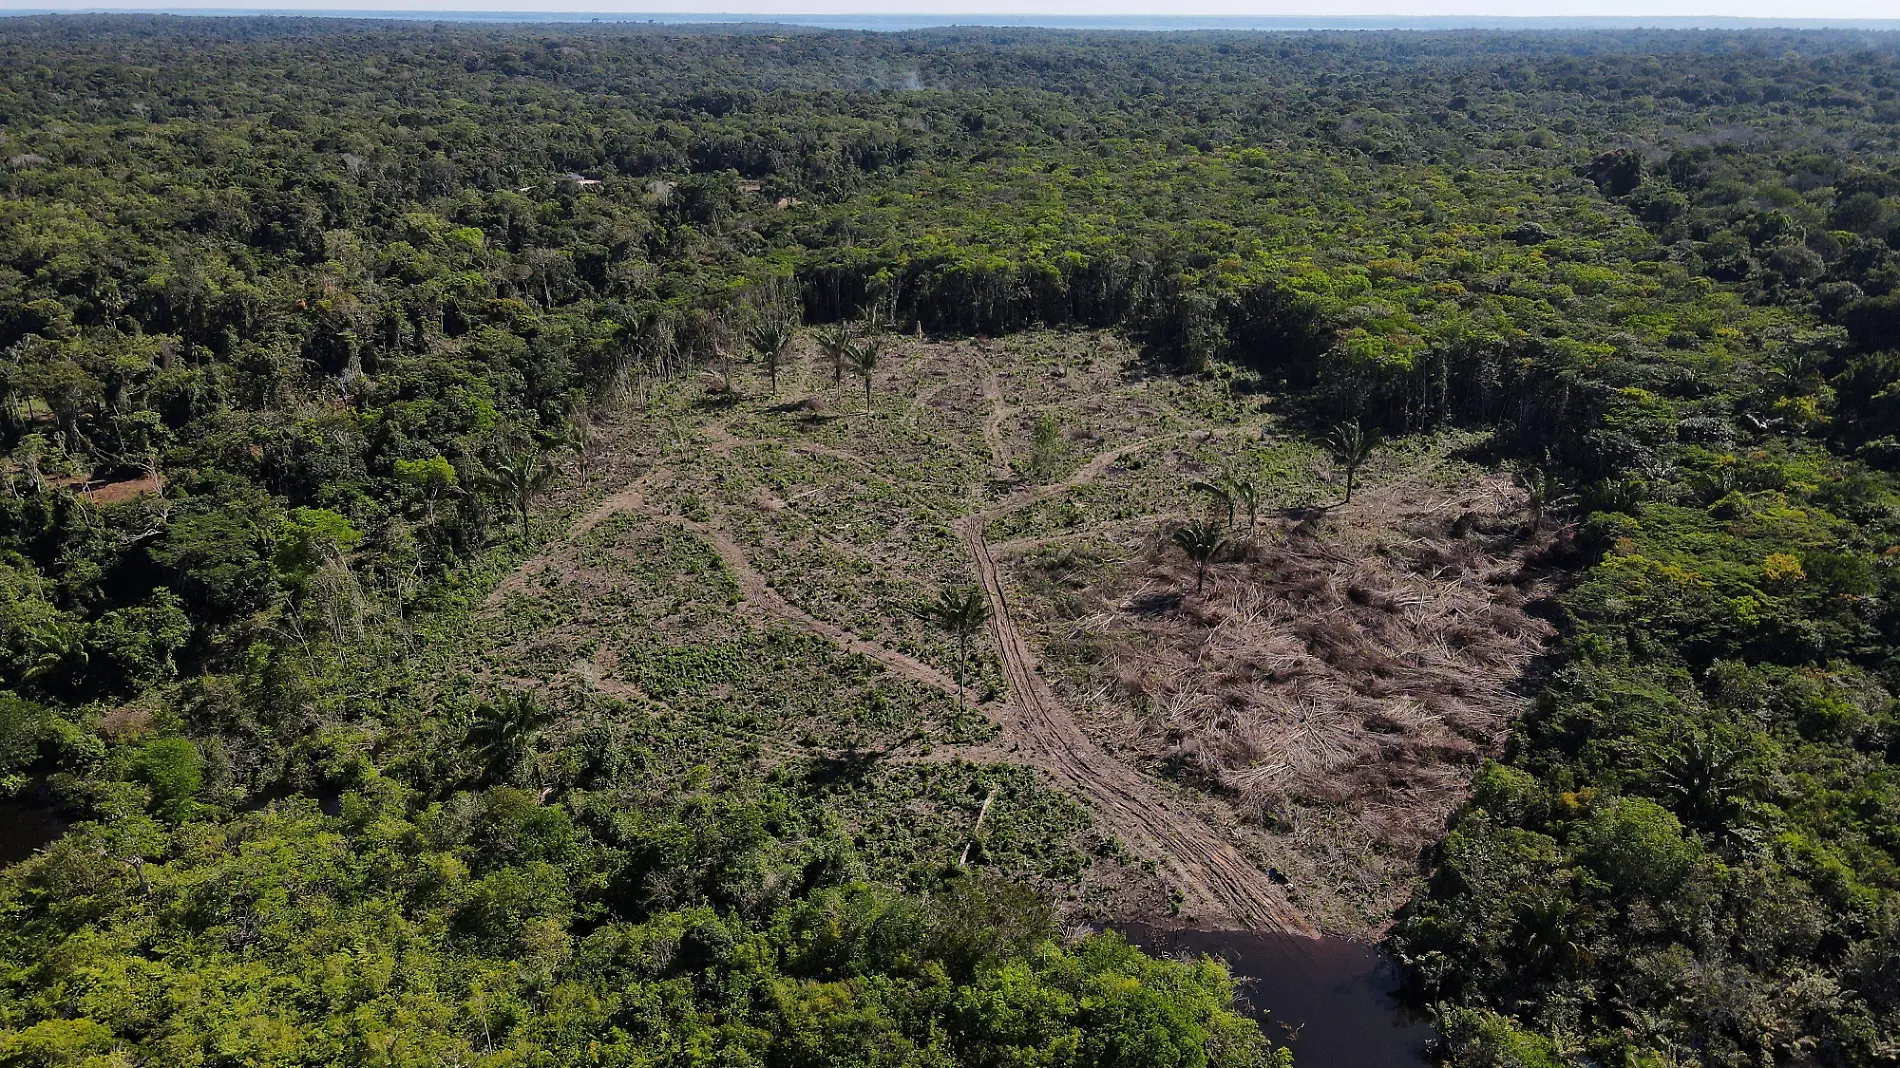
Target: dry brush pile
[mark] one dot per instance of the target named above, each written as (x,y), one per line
(1359,662)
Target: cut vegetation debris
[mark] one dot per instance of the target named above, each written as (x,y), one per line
(1337,677)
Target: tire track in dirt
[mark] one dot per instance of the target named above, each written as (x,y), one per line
(1217,883)
(628,498)
(721,442)
(1001,466)
(1019,546)
(1093,469)
(759,592)
(753,585)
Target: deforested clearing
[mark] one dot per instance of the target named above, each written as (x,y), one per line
(1337,677)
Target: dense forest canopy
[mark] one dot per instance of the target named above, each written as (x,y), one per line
(296,315)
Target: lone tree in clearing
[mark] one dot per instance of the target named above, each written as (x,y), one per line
(771,338)
(864,354)
(880,316)
(580,436)
(1247,493)
(722,355)
(519,476)
(1229,495)
(962,615)
(1350,445)
(1202,540)
(835,342)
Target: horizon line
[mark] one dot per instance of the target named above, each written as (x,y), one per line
(1050,20)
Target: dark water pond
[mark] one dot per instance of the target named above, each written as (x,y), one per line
(29,822)
(1328,999)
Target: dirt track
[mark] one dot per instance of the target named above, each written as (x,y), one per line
(1217,884)
(760,593)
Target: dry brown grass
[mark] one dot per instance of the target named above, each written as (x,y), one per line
(1345,670)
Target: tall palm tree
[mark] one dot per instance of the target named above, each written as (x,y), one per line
(502,734)
(1202,541)
(771,338)
(1229,495)
(1618,495)
(519,476)
(1792,372)
(835,342)
(879,317)
(1706,777)
(961,615)
(1350,446)
(864,354)
(1551,933)
(1541,494)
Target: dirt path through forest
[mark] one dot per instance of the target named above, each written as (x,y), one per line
(760,593)
(755,588)
(1218,886)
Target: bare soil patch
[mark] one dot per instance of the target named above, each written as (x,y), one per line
(1338,679)
(108,492)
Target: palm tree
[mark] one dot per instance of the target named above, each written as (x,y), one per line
(1551,932)
(722,354)
(962,615)
(1202,541)
(1711,486)
(879,317)
(771,338)
(835,342)
(1706,777)
(1541,496)
(1624,495)
(1792,372)
(863,354)
(55,645)
(1350,445)
(1229,494)
(502,734)
(519,476)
